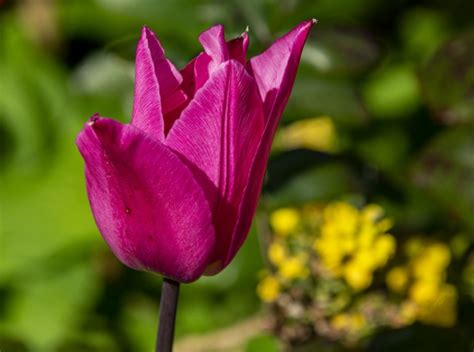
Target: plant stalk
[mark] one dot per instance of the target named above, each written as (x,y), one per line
(168,305)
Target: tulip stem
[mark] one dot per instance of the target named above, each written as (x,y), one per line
(168,305)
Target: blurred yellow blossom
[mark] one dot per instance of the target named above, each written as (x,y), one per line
(276,252)
(366,259)
(351,322)
(384,248)
(294,267)
(371,212)
(384,225)
(340,220)
(357,276)
(357,321)
(434,300)
(438,254)
(408,312)
(316,133)
(285,220)
(431,262)
(330,251)
(340,321)
(353,243)
(335,252)
(442,310)
(366,235)
(424,292)
(269,288)
(397,279)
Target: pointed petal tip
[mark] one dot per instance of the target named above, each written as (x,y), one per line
(96,128)
(149,36)
(93,119)
(308,24)
(216,30)
(146,30)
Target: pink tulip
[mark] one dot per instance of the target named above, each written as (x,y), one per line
(175,190)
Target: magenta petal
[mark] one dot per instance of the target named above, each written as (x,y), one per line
(213,42)
(274,71)
(146,202)
(219,133)
(195,74)
(238,48)
(197,71)
(157,86)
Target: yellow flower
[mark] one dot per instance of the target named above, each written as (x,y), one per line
(367,234)
(285,220)
(352,322)
(340,321)
(357,322)
(438,255)
(397,279)
(348,245)
(357,276)
(268,289)
(443,310)
(316,133)
(384,225)
(408,312)
(430,262)
(365,259)
(371,213)
(294,268)
(384,247)
(424,292)
(277,252)
(340,219)
(331,254)
(425,269)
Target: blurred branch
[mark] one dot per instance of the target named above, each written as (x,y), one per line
(232,338)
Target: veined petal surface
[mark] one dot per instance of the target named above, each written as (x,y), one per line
(219,133)
(146,202)
(157,86)
(274,71)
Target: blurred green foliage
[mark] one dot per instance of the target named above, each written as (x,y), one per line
(397,79)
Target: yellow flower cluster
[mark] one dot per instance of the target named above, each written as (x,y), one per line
(289,267)
(323,258)
(423,279)
(317,133)
(284,222)
(353,244)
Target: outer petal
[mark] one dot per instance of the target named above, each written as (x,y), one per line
(157,86)
(217,51)
(146,202)
(274,71)
(219,133)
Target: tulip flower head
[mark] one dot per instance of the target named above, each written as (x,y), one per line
(175,190)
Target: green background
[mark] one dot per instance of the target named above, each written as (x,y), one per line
(396,77)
